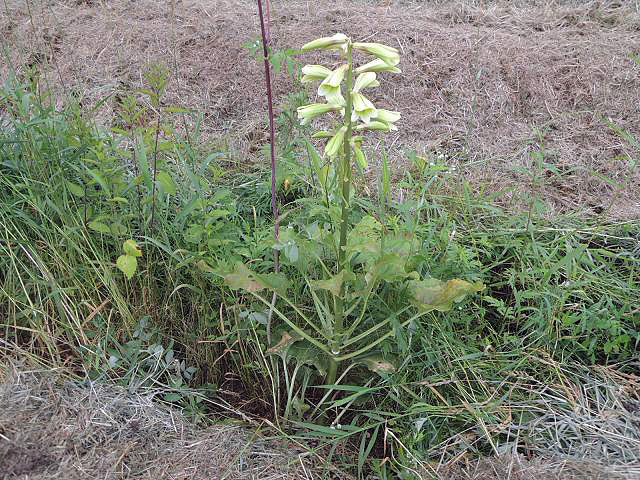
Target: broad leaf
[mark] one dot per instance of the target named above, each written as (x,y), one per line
(130,247)
(307,354)
(334,284)
(389,268)
(243,278)
(127,264)
(99,227)
(364,238)
(434,294)
(166,182)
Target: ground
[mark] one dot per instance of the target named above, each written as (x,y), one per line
(526,97)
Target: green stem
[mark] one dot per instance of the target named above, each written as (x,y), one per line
(345,185)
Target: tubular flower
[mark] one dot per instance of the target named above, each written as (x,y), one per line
(377,126)
(365,80)
(388,55)
(376,65)
(333,146)
(336,42)
(330,86)
(323,134)
(358,154)
(362,108)
(309,112)
(312,73)
(386,116)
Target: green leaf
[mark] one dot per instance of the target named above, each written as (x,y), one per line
(305,353)
(99,227)
(364,238)
(127,265)
(389,268)
(243,278)
(75,189)
(334,284)
(130,247)
(434,294)
(166,182)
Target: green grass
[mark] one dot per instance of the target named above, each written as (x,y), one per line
(561,293)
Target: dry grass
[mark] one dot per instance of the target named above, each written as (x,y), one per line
(54,429)
(488,83)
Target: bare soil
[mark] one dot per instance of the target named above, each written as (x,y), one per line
(486,85)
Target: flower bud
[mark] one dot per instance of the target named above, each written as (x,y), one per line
(387,116)
(376,65)
(333,146)
(309,112)
(312,73)
(336,42)
(389,55)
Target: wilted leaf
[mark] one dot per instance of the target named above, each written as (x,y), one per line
(283,345)
(434,294)
(130,247)
(127,264)
(377,363)
(334,284)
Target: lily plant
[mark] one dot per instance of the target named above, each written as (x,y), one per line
(343,328)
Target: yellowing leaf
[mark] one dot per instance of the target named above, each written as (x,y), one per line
(130,247)
(377,363)
(127,264)
(434,294)
(283,345)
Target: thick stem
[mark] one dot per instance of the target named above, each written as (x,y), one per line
(345,186)
(264,29)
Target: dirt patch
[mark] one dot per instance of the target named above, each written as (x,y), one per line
(55,429)
(537,97)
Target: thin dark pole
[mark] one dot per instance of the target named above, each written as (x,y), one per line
(264,28)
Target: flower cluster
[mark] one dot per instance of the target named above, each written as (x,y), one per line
(363,113)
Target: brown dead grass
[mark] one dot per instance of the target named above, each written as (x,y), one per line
(53,429)
(486,85)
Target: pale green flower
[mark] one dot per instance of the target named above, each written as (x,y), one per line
(389,55)
(377,126)
(362,108)
(309,112)
(330,86)
(312,73)
(365,80)
(333,146)
(323,134)
(376,65)
(386,116)
(358,154)
(336,42)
